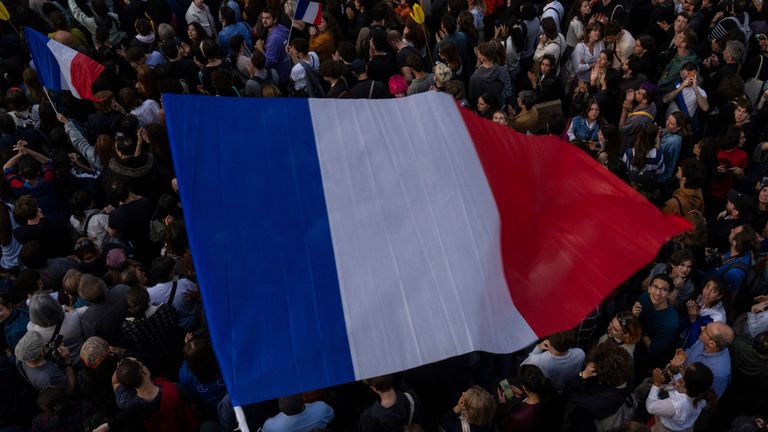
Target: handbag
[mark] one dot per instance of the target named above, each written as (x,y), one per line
(754,86)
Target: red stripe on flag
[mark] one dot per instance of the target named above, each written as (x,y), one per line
(571,231)
(84,71)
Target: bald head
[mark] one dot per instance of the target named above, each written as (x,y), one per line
(722,334)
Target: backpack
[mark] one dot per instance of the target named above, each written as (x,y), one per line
(751,287)
(743,27)
(314,88)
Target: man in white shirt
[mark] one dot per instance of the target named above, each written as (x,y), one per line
(694,96)
(620,41)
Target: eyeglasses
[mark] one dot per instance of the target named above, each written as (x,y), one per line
(705,332)
(659,289)
(623,319)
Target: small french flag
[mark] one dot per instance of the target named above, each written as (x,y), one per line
(309,11)
(61,67)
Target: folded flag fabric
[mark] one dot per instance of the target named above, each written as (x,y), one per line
(4,15)
(336,240)
(308,11)
(61,67)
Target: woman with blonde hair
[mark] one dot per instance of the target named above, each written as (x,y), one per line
(473,413)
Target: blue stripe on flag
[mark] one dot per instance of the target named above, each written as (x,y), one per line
(301,10)
(45,62)
(260,236)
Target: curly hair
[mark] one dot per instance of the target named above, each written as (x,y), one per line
(613,364)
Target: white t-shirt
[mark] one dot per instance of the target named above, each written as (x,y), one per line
(689,96)
(299,75)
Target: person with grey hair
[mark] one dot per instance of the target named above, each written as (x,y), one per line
(41,372)
(733,54)
(107,309)
(527,116)
(165,32)
(45,314)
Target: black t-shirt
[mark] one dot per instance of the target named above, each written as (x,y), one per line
(131,220)
(184,69)
(367,89)
(377,418)
(53,236)
(338,89)
(404,53)
(382,66)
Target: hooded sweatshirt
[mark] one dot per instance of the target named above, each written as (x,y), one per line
(486,80)
(683,201)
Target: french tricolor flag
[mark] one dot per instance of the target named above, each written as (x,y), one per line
(61,67)
(336,240)
(309,11)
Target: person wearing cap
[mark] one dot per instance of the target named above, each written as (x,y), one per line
(738,211)
(40,372)
(95,378)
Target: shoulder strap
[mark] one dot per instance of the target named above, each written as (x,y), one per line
(370,91)
(173,292)
(56,331)
(643,113)
(760,68)
(559,18)
(679,204)
(618,5)
(413,406)
(88,221)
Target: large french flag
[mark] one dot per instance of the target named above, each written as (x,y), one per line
(309,11)
(61,67)
(336,240)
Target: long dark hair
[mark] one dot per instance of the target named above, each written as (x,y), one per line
(646,140)
(698,384)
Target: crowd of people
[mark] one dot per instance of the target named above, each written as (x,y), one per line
(101,316)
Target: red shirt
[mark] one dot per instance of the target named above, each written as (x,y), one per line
(722,183)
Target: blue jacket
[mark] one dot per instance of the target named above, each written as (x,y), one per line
(237,28)
(274,51)
(582,130)
(670,148)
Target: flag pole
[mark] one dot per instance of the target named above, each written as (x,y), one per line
(241,422)
(45,90)
(290,30)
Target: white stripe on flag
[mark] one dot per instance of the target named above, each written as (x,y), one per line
(64,56)
(311,13)
(415,234)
